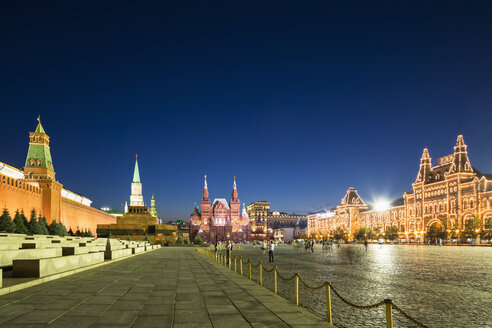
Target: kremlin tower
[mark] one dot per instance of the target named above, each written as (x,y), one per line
(136,198)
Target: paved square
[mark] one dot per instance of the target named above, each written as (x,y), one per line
(171,287)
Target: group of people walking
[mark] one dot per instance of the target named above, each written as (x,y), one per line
(228,248)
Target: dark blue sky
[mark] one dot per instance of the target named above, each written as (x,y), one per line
(299,99)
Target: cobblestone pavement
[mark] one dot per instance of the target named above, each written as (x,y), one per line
(168,287)
(439,286)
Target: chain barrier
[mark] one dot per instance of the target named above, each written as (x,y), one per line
(286,279)
(311,287)
(403,313)
(254,266)
(363,307)
(387,302)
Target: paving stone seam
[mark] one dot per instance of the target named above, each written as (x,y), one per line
(175,296)
(234,274)
(259,302)
(203,267)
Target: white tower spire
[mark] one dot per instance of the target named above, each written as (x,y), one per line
(136,197)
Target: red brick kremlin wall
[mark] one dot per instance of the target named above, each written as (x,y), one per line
(74,214)
(17,195)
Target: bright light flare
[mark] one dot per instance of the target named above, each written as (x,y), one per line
(381,205)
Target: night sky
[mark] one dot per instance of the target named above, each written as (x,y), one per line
(299,99)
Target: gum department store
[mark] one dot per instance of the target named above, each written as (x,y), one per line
(447,194)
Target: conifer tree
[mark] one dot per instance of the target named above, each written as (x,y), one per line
(24,219)
(62,230)
(43,225)
(33,222)
(70,232)
(78,233)
(52,228)
(19,223)
(89,233)
(6,223)
(34,225)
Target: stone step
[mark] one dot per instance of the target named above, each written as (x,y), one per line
(48,266)
(74,250)
(136,250)
(7,256)
(117,253)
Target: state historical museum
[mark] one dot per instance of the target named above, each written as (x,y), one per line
(220,221)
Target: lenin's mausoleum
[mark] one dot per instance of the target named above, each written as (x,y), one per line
(36,188)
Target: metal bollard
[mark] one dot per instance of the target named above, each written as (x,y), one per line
(328,303)
(249,267)
(235,268)
(241,265)
(389,314)
(260,271)
(275,280)
(297,289)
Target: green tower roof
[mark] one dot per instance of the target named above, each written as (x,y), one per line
(136,174)
(38,154)
(39,128)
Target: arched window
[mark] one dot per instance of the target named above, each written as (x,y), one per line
(471,203)
(465,204)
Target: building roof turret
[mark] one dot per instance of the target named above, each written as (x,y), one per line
(425,167)
(461,162)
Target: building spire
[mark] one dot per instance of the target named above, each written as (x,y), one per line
(136,197)
(205,189)
(136,173)
(234,190)
(39,128)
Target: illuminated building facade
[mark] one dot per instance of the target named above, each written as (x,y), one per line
(35,188)
(258,213)
(220,220)
(447,195)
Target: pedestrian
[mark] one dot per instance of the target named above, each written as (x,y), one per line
(365,244)
(216,250)
(270,252)
(263,247)
(312,246)
(228,251)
